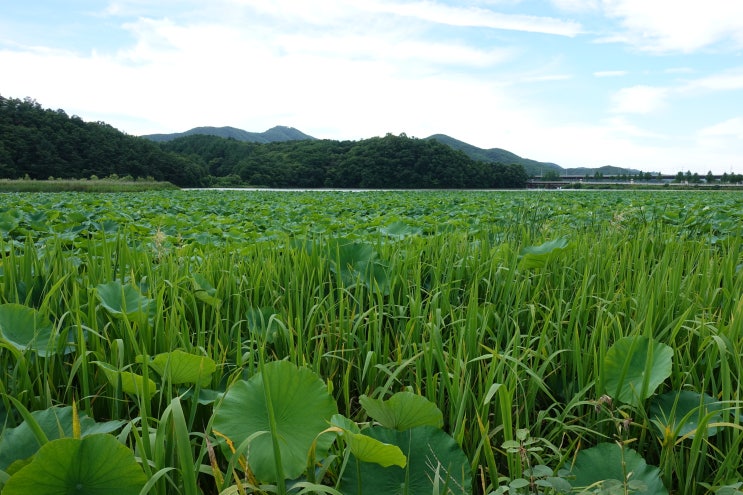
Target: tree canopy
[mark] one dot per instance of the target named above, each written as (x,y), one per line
(41,143)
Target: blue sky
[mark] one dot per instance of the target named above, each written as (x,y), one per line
(652,85)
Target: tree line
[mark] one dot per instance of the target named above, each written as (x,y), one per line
(380,162)
(41,143)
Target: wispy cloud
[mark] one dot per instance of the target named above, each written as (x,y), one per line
(728,128)
(476,17)
(547,78)
(677,26)
(610,73)
(639,99)
(729,80)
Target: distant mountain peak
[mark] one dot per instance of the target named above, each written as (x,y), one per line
(277,133)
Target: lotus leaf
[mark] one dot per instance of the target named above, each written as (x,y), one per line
(539,256)
(609,462)
(682,411)
(94,465)
(26,329)
(402,411)
(204,291)
(124,300)
(634,367)
(366,448)
(262,323)
(433,460)
(400,230)
(56,422)
(131,383)
(300,405)
(181,367)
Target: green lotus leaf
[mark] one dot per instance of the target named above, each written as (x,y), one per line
(94,465)
(682,412)
(400,230)
(9,221)
(539,256)
(26,329)
(179,367)
(366,448)
(204,291)
(56,422)
(124,300)
(610,463)
(634,367)
(433,460)
(262,323)
(300,405)
(131,383)
(357,261)
(402,411)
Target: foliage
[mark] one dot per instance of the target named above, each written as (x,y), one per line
(610,468)
(524,328)
(94,465)
(40,143)
(390,162)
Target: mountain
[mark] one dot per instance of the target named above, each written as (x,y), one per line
(497,155)
(43,143)
(532,167)
(279,133)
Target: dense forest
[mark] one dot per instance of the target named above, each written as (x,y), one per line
(380,162)
(41,143)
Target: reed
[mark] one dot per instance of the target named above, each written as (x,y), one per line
(451,312)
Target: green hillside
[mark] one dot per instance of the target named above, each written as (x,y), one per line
(497,155)
(40,143)
(275,134)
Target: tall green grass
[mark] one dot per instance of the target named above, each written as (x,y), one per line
(498,346)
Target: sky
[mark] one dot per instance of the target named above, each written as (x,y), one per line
(654,85)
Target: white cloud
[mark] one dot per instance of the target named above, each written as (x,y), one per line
(326,12)
(476,17)
(639,99)
(732,128)
(677,25)
(576,5)
(610,73)
(621,126)
(730,80)
(547,78)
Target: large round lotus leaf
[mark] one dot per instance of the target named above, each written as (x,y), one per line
(682,411)
(603,463)
(94,465)
(119,300)
(179,367)
(26,329)
(302,409)
(634,367)
(539,256)
(434,458)
(402,411)
(20,442)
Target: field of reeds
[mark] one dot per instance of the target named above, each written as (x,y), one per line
(189,342)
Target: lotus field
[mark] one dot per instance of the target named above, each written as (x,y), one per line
(235,342)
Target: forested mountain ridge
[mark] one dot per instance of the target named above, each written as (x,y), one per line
(42,143)
(389,162)
(274,134)
(498,155)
